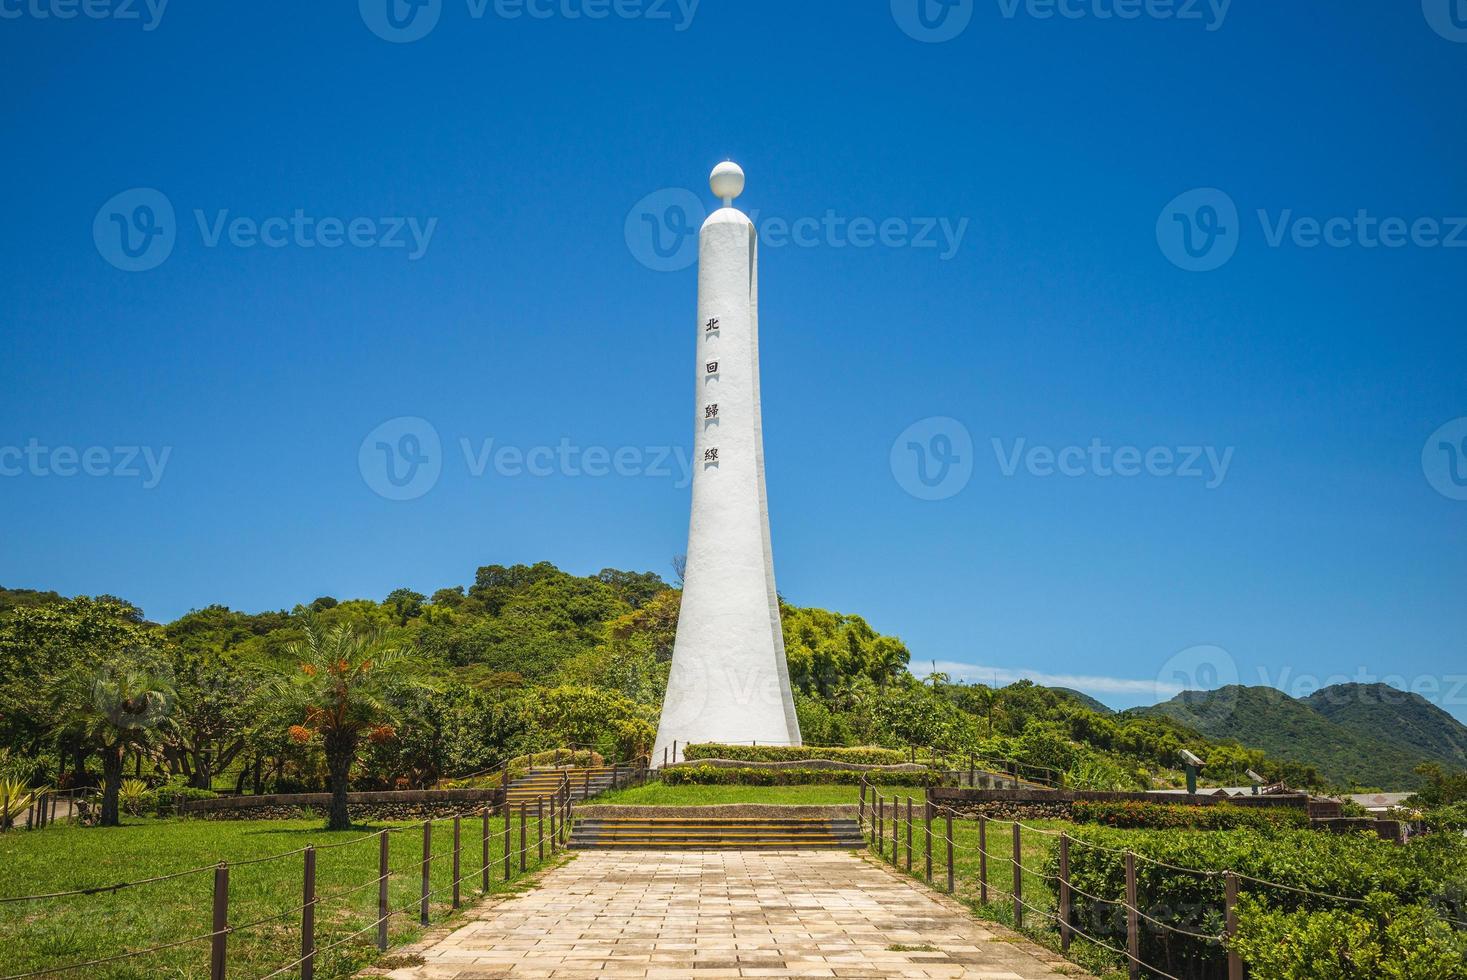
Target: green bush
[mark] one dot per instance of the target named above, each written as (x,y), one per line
(1451,818)
(1164,816)
(1384,941)
(1428,872)
(692,775)
(166,798)
(866,755)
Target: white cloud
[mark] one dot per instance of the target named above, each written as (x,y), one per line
(1081,682)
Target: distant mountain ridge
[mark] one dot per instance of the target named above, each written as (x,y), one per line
(1368,735)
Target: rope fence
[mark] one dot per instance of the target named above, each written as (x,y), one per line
(889,824)
(492,838)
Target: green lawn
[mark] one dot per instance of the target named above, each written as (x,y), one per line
(55,932)
(656,794)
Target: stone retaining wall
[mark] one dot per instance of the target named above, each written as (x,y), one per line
(720,810)
(1055,804)
(798,764)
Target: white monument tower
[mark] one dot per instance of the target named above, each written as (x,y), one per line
(730,681)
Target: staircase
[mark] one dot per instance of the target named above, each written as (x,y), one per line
(715,833)
(584,783)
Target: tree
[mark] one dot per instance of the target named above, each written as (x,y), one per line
(109,708)
(343,688)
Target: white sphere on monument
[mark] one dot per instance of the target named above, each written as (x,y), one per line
(727,181)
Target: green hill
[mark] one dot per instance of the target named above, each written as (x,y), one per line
(1405,720)
(1268,719)
(1085,700)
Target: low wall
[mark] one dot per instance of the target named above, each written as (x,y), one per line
(595,811)
(420,804)
(797,764)
(1055,804)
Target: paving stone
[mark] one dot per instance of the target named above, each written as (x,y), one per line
(713,914)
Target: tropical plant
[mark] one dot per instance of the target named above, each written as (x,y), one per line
(345,688)
(15,798)
(108,708)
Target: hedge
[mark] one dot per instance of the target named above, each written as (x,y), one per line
(869,755)
(692,775)
(1170,816)
(1429,873)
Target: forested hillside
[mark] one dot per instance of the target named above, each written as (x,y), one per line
(524,658)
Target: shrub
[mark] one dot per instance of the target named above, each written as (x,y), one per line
(1385,940)
(133,796)
(1427,872)
(1163,816)
(166,798)
(721,776)
(863,755)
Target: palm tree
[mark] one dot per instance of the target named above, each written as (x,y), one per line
(343,689)
(110,707)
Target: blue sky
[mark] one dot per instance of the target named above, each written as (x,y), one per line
(1028,246)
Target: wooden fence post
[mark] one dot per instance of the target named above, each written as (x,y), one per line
(909,835)
(1230,899)
(554,825)
(1018,888)
(927,845)
(1133,919)
(219,947)
(427,871)
(896,825)
(382,872)
(880,827)
(308,916)
(508,873)
(540,824)
(982,858)
(456,876)
(1064,891)
(524,850)
(861,807)
(484,883)
(951,882)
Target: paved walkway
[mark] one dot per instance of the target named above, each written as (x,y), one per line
(726,914)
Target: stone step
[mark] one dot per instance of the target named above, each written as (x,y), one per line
(753,833)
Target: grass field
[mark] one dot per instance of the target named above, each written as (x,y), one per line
(50,933)
(656,794)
